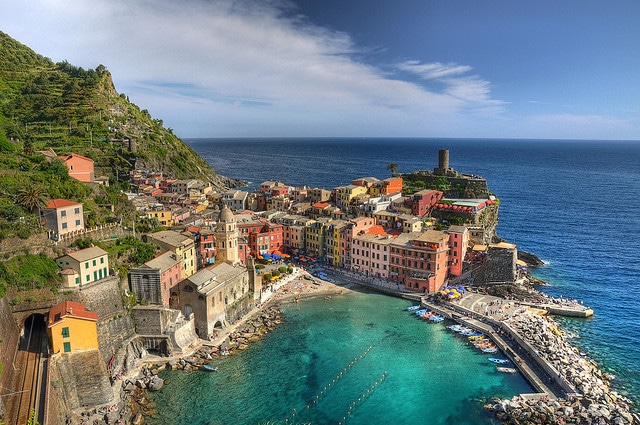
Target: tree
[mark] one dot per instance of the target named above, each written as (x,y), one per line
(33,197)
(392,167)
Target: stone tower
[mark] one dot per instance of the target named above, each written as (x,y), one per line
(443,163)
(226,235)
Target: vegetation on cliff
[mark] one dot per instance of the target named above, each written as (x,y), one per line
(60,107)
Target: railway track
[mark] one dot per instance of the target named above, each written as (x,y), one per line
(29,397)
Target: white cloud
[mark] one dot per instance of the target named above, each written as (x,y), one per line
(431,71)
(249,68)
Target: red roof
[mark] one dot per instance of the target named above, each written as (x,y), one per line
(69,309)
(377,230)
(322,204)
(60,203)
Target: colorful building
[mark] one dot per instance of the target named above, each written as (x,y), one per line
(79,167)
(370,253)
(62,216)
(84,266)
(71,328)
(152,282)
(458,244)
(183,246)
(420,260)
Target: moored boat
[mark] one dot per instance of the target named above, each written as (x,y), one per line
(506,369)
(210,368)
(498,361)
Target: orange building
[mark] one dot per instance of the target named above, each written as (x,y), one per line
(391,185)
(71,328)
(80,167)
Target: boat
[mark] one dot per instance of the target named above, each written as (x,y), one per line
(210,368)
(498,361)
(436,319)
(506,369)
(413,308)
(490,350)
(421,312)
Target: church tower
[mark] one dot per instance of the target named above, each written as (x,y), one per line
(226,235)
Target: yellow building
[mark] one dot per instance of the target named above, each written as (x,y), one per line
(164,216)
(181,245)
(71,328)
(84,266)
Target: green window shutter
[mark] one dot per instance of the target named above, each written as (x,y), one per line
(67,347)
(65,332)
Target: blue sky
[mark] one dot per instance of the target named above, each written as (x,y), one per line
(549,69)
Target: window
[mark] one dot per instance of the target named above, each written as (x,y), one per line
(76,210)
(65,332)
(77,280)
(64,225)
(101,260)
(94,262)
(63,213)
(67,347)
(86,265)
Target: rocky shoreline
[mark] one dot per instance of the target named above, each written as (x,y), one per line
(593,401)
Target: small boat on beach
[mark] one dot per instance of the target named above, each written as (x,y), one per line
(209,368)
(498,361)
(490,350)
(506,369)
(413,308)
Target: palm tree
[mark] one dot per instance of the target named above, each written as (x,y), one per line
(33,197)
(393,167)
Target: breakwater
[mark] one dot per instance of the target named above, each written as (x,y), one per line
(571,387)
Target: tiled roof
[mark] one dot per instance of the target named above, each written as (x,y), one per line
(60,203)
(69,309)
(87,254)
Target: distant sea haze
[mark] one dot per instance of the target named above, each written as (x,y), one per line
(575,204)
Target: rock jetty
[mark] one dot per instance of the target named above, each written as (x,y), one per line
(592,402)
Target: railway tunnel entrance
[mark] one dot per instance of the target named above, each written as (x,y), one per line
(32,350)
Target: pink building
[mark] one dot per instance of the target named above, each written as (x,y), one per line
(420,260)
(80,167)
(152,282)
(356,226)
(370,253)
(458,244)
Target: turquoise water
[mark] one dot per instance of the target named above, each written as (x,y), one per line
(379,364)
(573,203)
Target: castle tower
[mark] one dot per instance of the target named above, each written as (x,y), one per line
(443,159)
(226,235)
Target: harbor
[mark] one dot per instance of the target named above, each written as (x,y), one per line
(569,387)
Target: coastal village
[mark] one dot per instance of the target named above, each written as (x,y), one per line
(224,260)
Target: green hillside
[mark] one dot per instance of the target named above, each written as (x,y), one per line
(46,105)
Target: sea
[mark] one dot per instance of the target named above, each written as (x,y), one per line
(362,358)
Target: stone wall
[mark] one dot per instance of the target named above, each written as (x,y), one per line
(112,334)
(80,380)
(500,266)
(10,339)
(103,297)
(153,320)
